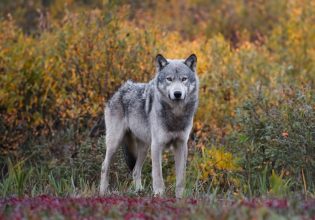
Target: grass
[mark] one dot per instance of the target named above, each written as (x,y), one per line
(67,190)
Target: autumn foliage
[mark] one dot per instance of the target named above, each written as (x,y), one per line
(57,72)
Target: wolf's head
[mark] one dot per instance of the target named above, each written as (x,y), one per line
(177,79)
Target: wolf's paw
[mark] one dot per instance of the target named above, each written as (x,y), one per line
(159,192)
(139,188)
(179,193)
(104,193)
(138,185)
(103,190)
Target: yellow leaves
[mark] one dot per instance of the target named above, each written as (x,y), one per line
(97,67)
(73,78)
(220,159)
(198,126)
(296,12)
(217,164)
(74,67)
(37,119)
(247,45)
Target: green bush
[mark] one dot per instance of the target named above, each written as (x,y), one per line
(277,132)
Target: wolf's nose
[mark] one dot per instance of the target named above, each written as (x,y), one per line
(177,94)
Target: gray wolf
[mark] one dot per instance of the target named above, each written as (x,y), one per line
(157,114)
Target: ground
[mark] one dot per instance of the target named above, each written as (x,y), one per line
(131,207)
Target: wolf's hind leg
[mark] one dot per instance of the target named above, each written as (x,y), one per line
(114,135)
(142,150)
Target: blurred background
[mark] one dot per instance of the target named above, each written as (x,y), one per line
(60,61)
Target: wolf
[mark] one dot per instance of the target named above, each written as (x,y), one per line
(158,114)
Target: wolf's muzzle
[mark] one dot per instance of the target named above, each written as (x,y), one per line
(178,94)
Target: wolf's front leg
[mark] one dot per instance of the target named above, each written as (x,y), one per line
(180,152)
(157,177)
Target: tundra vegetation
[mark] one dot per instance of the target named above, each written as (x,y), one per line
(252,148)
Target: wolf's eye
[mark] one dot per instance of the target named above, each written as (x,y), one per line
(184,79)
(169,79)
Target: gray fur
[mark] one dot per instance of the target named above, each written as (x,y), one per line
(157,114)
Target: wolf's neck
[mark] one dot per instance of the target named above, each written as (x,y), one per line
(176,109)
(175,118)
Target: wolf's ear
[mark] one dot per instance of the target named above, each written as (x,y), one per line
(160,62)
(191,62)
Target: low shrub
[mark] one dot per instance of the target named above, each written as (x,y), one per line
(277,133)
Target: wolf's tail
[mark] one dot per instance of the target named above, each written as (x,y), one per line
(127,145)
(99,127)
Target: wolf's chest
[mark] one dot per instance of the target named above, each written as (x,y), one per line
(174,123)
(176,119)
